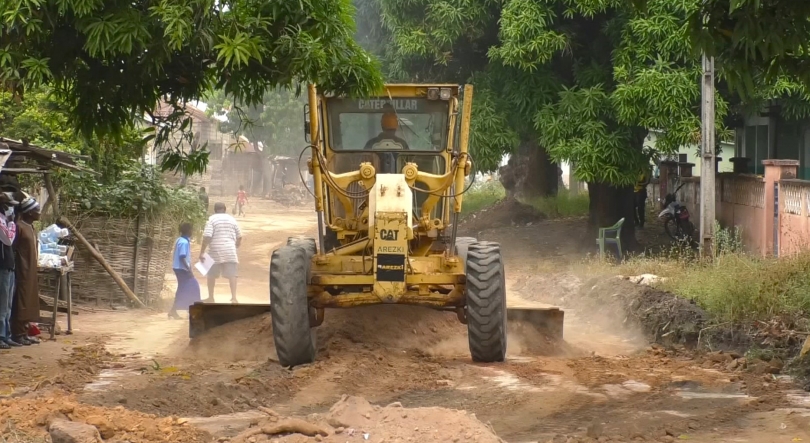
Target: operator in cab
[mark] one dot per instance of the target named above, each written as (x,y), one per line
(387,140)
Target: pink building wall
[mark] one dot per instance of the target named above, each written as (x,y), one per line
(747,203)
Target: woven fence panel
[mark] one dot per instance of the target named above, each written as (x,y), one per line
(139,252)
(155,244)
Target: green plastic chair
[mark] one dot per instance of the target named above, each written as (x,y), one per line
(610,236)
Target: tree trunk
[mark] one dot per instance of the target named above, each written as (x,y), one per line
(529,173)
(607,205)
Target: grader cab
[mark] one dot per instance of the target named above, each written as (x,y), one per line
(389,178)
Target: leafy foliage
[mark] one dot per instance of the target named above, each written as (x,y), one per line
(43,119)
(752,39)
(586,78)
(112,61)
(277,123)
(139,192)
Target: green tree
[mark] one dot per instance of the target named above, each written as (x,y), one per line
(44,121)
(278,122)
(753,39)
(112,61)
(582,80)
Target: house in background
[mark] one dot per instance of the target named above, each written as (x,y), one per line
(689,153)
(206,134)
(768,135)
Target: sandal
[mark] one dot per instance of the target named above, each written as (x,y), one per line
(3,345)
(33,340)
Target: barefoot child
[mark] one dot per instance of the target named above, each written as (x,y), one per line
(241,201)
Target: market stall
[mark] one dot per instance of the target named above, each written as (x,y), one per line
(55,248)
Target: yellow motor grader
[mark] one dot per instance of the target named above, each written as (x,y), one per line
(389,178)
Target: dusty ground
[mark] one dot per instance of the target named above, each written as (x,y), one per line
(605,384)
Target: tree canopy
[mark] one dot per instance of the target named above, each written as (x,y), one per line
(752,39)
(278,122)
(586,79)
(111,61)
(44,121)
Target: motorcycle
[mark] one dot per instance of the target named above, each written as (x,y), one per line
(676,218)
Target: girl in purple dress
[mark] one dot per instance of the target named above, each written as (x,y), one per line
(188,290)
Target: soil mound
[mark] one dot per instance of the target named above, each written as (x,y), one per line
(385,327)
(31,417)
(507,212)
(662,317)
(249,339)
(354,418)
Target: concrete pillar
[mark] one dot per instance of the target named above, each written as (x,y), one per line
(775,170)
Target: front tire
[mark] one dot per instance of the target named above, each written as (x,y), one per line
(308,243)
(289,306)
(461,246)
(486,302)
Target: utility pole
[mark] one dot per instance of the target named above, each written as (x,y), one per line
(707,167)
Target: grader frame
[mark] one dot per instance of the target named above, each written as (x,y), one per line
(386,227)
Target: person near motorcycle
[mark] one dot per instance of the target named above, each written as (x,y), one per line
(640,194)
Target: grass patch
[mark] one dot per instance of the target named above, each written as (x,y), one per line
(564,204)
(482,195)
(485,194)
(736,287)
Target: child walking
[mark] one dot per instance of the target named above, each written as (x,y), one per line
(241,201)
(188,290)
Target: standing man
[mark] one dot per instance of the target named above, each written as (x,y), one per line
(204,199)
(221,237)
(640,192)
(8,232)
(25,308)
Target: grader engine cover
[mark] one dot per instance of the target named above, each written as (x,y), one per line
(390,209)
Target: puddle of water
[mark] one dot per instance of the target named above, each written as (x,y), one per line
(799,398)
(511,382)
(677,413)
(107,378)
(521,359)
(636,386)
(626,389)
(705,395)
(551,383)
(802,412)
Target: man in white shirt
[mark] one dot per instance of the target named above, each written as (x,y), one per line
(221,237)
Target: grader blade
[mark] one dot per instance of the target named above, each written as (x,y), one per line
(205,316)
(548,320)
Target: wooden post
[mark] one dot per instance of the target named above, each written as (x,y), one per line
(52,197)
(100,259)
(707,168)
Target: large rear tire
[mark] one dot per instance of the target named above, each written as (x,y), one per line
(294,339)
(486,302)
(462,244)
(308,243)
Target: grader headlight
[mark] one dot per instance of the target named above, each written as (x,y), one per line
(445,93)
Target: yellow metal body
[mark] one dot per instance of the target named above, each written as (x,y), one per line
(390,228)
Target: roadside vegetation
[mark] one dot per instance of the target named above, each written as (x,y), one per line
(565,204)
(736,287)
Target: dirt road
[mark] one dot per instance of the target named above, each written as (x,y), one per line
(604,384)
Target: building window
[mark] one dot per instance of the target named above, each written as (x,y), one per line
(756,147)
(683,158)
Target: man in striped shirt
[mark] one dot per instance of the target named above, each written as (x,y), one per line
(221,237)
